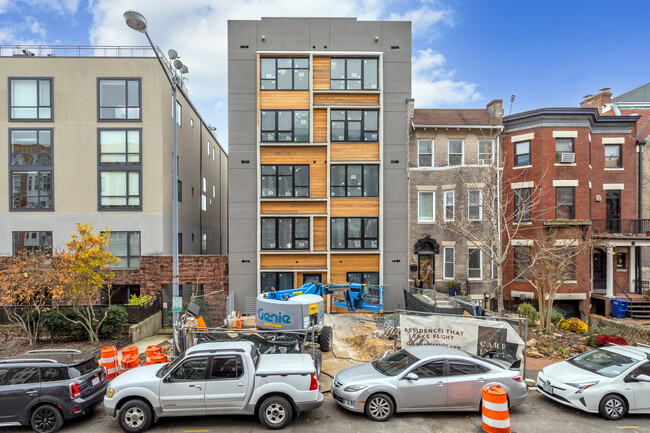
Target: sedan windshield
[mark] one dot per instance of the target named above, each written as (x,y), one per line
(395,363)
(603,362)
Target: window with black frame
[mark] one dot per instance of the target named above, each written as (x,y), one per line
(126,247)
(284,73)
(565,203)
(120,169)
(272,281)
(354,233)
(281,180)
(368,278)
(354,73)
(31,169)
(285,126)
(285,233)
(522,205)
(354,181)
(30,241)
(119,99)
(30,98)
(354,125)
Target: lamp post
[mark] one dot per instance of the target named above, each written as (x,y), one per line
(137,22)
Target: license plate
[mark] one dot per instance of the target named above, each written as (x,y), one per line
(95,381)
(547,389)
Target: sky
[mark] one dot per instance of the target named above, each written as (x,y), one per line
(465,52)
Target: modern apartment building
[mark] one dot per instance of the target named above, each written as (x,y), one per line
(317,141)
(450,159)
(88,133)
(585,167)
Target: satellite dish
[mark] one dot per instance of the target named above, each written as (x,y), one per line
(184,70)
(178,64)
(172,54)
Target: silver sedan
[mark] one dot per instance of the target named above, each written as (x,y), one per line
(423,378)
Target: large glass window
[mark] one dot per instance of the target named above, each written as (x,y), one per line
(522,257)
(485,151)
(284,181)
(475,261)
(30,241)
(456,152)
(425,153)
(31,169)
(426,206)
(354,125)
(120,169)
(272,281)
(565,203)
(449,261)
(563,145)
(522,153)
(569,273)
(284,73)
(226,367)
(126,247)
(285,233)
(613,156)
(285,125)
(449,205)
(119,99)
(354,74)
(354,181)
(522,205)
(30,99)
(355,233)
(368,278)
(474,210)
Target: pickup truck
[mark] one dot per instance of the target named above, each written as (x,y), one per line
(223,378)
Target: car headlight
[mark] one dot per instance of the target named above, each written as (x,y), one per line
(110,392)
(355,388)
(582,386)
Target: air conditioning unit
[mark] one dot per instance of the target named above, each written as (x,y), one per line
(568,157)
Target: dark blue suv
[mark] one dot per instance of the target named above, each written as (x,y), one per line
(42,388)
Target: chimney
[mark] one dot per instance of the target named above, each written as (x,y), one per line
(599,100)
(495,108)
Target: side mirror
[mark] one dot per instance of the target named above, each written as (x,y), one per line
(411,376)
(643,378)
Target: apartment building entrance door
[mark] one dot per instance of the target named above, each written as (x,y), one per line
(613,211)
(426,270)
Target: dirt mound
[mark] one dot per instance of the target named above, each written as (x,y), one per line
(370,348)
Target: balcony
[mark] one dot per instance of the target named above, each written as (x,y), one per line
(621,227)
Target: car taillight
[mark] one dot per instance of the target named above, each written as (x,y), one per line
(517,379)
(75,390)
(314,383)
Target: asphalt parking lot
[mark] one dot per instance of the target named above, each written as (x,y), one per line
(538,415)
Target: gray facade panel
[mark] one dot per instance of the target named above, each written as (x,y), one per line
(241,33)
(282,35)
(242,75)
(350,35)
(394,74)
(319,34)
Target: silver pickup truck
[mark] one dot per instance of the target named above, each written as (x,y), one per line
(216,379)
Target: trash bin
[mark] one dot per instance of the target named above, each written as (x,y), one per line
(619,308)
(452,292)
(480,311)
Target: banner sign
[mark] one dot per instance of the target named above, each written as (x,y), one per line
(477,336)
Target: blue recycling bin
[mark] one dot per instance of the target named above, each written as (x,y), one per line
(619,308)
(452,292)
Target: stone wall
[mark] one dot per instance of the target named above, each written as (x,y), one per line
(632,332)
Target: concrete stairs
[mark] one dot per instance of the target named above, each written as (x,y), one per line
(638,309)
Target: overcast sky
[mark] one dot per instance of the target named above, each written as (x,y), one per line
(465,53)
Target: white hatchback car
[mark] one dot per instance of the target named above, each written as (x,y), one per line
(612,380)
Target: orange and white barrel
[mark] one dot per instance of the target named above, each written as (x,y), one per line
(108,360)
(159,358)
(151,351)
(128,353)
(496,418)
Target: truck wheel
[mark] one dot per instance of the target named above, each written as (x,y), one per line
(380,407)
(46,419)
(134,416)
(275,413)
(325,339)
(317,357)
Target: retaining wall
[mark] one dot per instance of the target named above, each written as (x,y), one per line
(632,332)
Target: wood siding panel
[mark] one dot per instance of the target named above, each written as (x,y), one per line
(301,155)
(320,234)
(293,207)
(297,282)
(351,207)
(320,126)
(354,151)
(321,69)
(346,99)
(281,99)
(340,264)
(293,261)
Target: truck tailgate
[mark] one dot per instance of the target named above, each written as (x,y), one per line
(293,363)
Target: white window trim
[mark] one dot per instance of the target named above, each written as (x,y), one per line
(480,203)
(462,157)
(433,197)
(444,263)
(480,264)
(453,205)
(478,151)
(433,162)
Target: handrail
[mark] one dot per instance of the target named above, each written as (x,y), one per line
(31,50)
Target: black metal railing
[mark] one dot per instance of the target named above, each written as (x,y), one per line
(512,305)
(600,285)
(640,286)
(621,226)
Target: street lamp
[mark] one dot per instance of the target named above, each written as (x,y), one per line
(137,22)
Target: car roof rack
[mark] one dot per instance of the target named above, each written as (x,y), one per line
(53,351)
(216,350)
(641,345)
(19,360)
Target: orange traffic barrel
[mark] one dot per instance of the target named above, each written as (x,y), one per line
(130,361)
(130,350)
(108,360)
(159,358)
(495,410)
(151,351)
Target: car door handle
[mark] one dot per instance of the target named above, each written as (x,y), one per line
(480,379)
(441,383)
(240,384)
(195,386)
(32,392)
